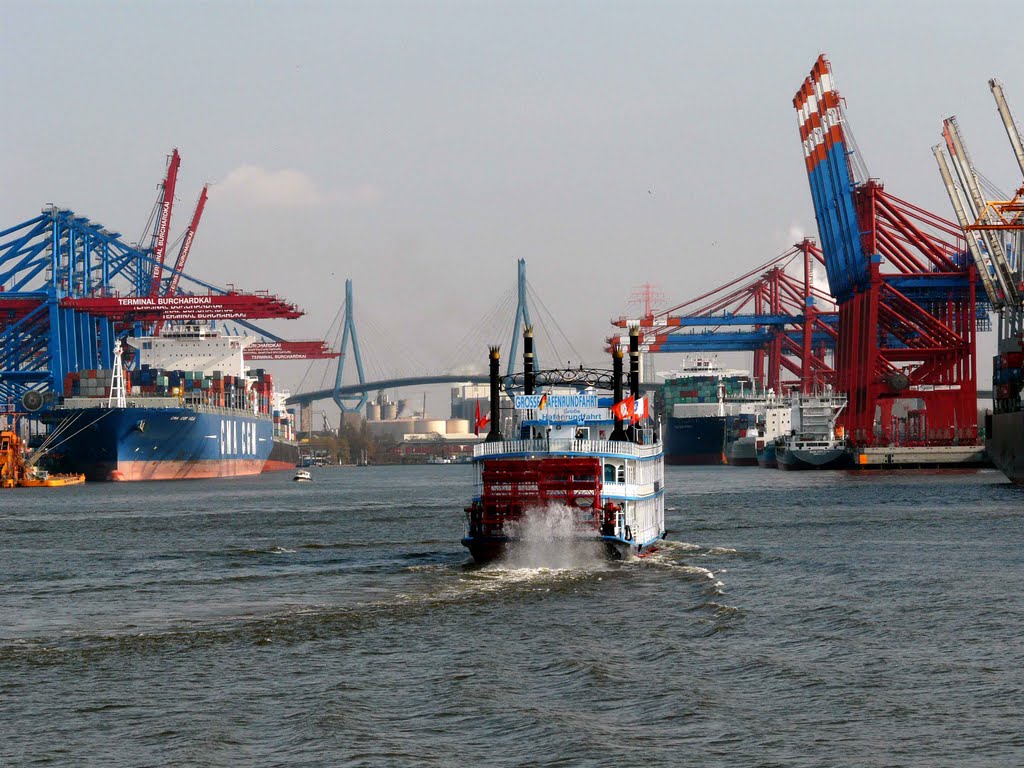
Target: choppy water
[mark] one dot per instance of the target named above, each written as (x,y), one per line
(793,619)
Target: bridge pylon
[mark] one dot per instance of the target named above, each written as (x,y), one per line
(349,403)
(522,321)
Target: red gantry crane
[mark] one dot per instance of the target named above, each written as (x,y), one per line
(787,322)
(163,221)
(186,247)
(907,333)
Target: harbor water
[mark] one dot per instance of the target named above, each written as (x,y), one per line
(791,619)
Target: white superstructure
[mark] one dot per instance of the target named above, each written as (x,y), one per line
(193,348)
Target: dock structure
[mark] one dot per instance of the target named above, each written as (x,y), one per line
(920,457)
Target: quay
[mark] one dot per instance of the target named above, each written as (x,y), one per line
(921,457)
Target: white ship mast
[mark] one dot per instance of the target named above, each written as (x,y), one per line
(117,397)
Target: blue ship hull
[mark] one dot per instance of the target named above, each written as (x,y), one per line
(702,439)
(767,458)
(139,443)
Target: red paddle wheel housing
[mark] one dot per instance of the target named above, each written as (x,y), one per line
(511,487)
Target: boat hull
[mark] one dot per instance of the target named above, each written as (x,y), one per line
(138,443)
(743,452)
(284,456)
(53,481)
(796,459)
(1004,443)
(706,440)
(766,457)
(695,440)
(488,550)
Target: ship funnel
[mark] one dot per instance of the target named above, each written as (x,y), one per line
(494,435)
(634,361)
(634,370)
(529,376)
(618,433)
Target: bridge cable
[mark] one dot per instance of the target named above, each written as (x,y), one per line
(536,298)
(473,344)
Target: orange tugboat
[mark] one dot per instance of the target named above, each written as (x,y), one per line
(15,472)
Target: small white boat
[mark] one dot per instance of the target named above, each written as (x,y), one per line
(302,474)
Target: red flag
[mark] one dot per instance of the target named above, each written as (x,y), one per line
(480,423)
(624,409)
(641,411)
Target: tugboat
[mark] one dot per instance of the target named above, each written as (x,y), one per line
(15,471)
(577,453)
(302,476)
(815,442)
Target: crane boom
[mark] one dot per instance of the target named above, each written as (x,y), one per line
(164,222)
(979,254)
(976,200)
(1011,127)
(186,245)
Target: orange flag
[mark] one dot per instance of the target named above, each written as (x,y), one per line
(624,409)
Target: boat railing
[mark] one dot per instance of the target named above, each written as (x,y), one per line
(629,490)
(566,446)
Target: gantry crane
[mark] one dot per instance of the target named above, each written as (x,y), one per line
(162,225)
(987,222)
(787,322)
(906,332)
(186,247)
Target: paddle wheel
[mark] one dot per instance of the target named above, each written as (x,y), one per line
(512,487)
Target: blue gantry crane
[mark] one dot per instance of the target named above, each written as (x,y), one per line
(69,287)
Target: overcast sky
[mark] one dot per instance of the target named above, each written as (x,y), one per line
(421,148)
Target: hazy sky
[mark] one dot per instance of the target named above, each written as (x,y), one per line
(421,148)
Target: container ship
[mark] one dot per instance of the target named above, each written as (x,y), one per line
(706,409)
(191,410)
(568,453)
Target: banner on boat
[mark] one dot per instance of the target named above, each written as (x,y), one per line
(573,409)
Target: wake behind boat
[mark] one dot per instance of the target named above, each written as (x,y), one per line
(594,461)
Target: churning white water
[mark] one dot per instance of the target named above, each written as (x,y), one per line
(553,537)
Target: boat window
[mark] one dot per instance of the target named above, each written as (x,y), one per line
(609,473)
(622,474)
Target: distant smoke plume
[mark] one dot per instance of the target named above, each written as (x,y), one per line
(254,186)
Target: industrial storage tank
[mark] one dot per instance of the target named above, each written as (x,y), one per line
(392,430)
(389,411)
(373,411)
(457,426)
(429,426)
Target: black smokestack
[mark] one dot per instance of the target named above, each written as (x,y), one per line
(617,433)
(634,361)
(494,435)
(634,373)
(529,379)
